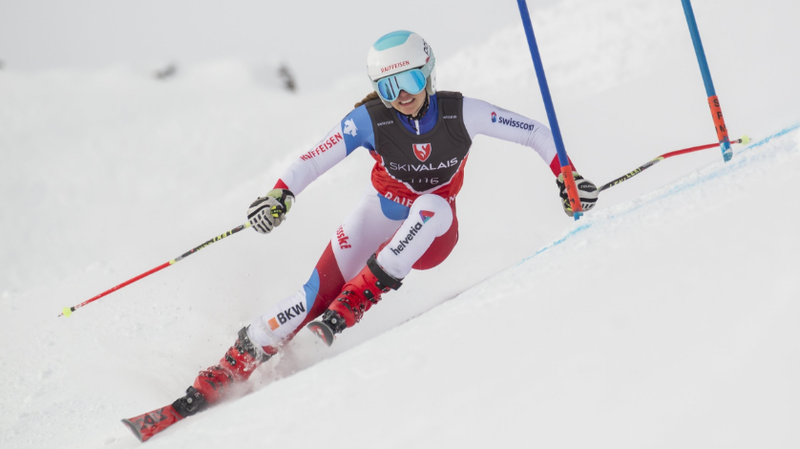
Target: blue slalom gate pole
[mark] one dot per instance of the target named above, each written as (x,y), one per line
(713,101)
(563,160)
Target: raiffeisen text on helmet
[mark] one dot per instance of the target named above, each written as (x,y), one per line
(395,66)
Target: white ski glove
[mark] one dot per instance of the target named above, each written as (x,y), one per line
(270,211)
(587,192)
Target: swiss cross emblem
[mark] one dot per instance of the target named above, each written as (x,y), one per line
(422,151)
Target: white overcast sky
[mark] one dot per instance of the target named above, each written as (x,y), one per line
(319,39)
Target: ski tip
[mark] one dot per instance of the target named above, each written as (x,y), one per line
(146,425)
(133,428)
(322,331)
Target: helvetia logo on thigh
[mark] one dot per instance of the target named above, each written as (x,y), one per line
(405,242)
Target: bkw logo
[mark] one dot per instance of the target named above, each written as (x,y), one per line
(292,312)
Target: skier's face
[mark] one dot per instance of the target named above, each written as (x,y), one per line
(408,104)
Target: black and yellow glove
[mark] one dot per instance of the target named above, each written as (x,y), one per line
(270,211)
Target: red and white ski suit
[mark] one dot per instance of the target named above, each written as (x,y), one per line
(408,214)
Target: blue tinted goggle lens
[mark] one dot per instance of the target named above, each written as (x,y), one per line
(411,81)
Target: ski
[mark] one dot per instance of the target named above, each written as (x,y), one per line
(146,425)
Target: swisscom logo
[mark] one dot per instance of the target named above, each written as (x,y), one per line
(510,122)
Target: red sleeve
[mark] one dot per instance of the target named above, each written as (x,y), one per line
(555,165)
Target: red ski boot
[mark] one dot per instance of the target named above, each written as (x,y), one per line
(211,384)
(209,387)
(357,296)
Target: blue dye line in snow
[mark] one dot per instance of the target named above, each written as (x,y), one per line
(777,134)
(566,236)
(726,169)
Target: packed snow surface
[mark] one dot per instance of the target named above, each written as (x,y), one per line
(667,317)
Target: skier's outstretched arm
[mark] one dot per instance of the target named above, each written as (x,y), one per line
(481,117)
(353,131)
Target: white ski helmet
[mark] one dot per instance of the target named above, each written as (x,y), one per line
(398,52)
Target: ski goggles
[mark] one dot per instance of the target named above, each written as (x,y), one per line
(411,81)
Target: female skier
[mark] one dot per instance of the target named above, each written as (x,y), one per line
(420,140)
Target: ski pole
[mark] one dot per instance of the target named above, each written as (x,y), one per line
(563,159)
(713,100)
(67,311)
(743,140)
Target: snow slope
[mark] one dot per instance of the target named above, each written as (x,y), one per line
(678,329)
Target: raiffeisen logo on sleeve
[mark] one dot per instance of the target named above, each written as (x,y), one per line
(323,146)
(510,122)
